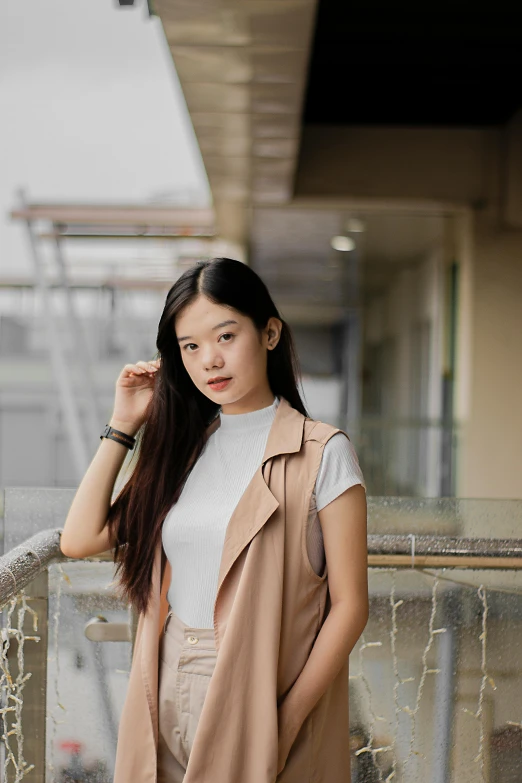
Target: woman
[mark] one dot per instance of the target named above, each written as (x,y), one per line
(240,539)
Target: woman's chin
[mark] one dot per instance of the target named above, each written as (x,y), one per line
(222,396)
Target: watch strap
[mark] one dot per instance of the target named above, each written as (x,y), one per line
(118,435)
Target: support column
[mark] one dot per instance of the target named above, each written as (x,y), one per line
(61,369)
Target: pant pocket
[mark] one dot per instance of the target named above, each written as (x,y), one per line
(168,708)
(191,689)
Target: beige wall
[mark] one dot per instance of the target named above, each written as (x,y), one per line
(491,463)
(473,173)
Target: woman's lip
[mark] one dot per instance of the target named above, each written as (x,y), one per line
(220,384)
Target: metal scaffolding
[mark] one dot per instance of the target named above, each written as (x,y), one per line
(103,222)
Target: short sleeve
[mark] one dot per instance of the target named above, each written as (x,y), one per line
(339,470)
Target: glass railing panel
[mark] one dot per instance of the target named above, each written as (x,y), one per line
(460,517)
(87,680)
(436,678)
(27,510)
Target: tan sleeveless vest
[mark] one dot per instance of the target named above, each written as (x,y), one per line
(269,608)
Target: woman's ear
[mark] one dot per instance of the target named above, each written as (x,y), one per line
(273,330)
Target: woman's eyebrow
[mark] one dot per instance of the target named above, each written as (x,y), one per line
(217,326)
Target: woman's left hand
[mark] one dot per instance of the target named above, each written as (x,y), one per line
(287,734)
(282,757)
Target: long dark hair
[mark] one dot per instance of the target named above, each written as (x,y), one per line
(171,440)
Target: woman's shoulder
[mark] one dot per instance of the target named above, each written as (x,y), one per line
(322,431)
(337,447)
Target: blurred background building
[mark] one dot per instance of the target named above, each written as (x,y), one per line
(380,202)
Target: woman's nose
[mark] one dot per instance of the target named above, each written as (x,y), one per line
(212,360)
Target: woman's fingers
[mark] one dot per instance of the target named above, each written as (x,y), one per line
(147,366)
(142,367)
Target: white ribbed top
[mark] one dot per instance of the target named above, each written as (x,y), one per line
(194,529)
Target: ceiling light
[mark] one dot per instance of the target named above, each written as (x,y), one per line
(344,244)
(355,226)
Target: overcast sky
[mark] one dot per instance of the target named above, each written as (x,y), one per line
(91,111)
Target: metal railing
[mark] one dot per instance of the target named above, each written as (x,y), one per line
(24,563)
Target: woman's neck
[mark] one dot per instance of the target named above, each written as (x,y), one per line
(256,419)
(259,397)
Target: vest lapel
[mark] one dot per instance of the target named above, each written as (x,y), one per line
(255,507)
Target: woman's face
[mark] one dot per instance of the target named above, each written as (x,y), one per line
(220,342)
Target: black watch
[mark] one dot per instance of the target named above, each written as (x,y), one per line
(119,436)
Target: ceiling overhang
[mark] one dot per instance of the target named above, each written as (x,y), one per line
(409,64)
(243,67)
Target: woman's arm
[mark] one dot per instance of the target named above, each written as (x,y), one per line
(84,532)
(344,526)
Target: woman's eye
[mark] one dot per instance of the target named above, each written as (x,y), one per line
(225,334)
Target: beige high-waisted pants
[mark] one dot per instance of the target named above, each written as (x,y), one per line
(186,661)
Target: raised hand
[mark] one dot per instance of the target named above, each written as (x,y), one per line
(134,389)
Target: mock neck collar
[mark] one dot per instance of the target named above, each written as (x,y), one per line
(232,423)
(286,433)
